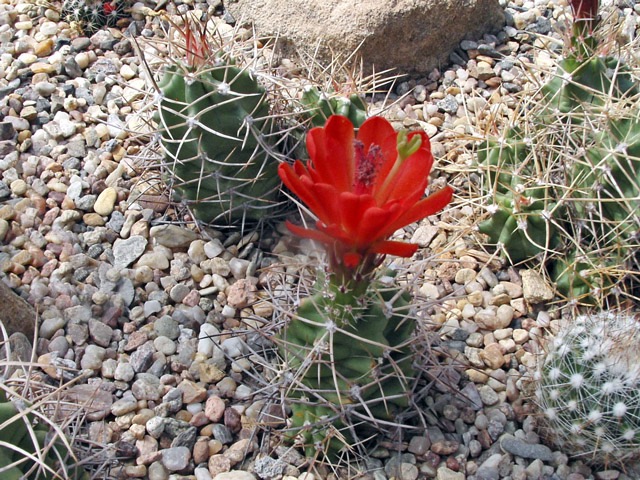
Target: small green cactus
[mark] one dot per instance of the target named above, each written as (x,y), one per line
(319,106)
(92,15)
(350,354)
(588,388)
(217,135)
(522,208)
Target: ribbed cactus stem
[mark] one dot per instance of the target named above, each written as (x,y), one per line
(215,130)
(350,351)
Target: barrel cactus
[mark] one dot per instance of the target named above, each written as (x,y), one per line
(217,134)
(563,180)
(587,386)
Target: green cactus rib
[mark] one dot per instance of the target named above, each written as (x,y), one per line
(319,106)
(520,222)
(587,388)
(347,355)
(579,83)
(215,130)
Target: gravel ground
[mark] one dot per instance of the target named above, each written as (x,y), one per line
(159,317)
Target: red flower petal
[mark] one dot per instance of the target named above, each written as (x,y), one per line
(412,177)
(373,225)
(301,187)
(308,233)
(339,137)
(327,196)
(373,131)
(331,152)
(389,147)
(425,207)
(399,249)
(352,210)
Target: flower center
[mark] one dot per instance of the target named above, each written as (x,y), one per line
(367,166)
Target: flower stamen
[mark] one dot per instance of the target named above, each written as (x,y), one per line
(367,166)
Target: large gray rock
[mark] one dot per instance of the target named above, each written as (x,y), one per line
(407,35)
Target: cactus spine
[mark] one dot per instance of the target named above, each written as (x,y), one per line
(587,387)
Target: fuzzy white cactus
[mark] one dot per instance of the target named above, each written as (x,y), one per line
(588,388)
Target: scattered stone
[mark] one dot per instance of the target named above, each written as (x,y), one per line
(534,288)
(520,448)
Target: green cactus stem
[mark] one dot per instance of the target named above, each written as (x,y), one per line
(319,106)
(521,211)
(350,354)
(217,135)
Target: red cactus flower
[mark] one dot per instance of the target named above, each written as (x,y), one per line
(108,8)
(585,9)
(197,47)
(363,188)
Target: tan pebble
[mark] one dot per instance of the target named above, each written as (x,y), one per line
(4,229)
(82,59)
(19,187)
(520,335)
(210,373)
(184,416)
(106,201)
(22,258)
(93,220)
(493,82)
(27,58)
(503,333)
(501,299)
(215,446)
(477,376)
(512,289)
(201,451)
(127,72)
(192,392)
(263,309)
(218,464)
(25,25)
(508,345)
(42,67)
(135,471)
(44,48)
(493,356)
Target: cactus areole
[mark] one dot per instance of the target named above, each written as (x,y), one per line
(362,188)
